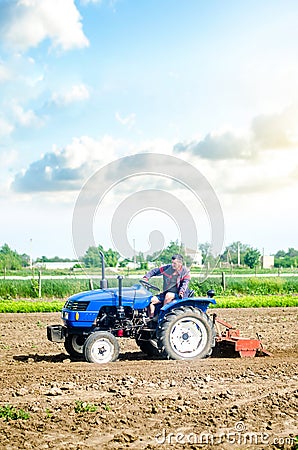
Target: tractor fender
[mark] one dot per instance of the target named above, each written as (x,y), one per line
(200,303)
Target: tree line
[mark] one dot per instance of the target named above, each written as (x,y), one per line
(236,253)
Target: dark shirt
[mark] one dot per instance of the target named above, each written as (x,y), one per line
(173,281)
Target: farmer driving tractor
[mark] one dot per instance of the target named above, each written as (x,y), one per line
(176,278)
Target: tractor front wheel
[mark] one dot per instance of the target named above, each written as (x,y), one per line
(101,347)
(186,333)
(73,344)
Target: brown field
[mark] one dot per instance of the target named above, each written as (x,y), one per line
(143,403)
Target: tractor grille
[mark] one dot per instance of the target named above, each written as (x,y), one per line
(75,305)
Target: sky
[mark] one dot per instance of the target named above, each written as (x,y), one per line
(84,83)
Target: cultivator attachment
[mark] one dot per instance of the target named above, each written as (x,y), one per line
(230,343)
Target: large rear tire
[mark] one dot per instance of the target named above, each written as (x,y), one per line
(101,347)
(186,333)
(73,344)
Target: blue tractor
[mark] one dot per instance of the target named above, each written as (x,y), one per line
(93,320)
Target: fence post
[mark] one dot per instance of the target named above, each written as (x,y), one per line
(223,280)
(39,284)
(91,284)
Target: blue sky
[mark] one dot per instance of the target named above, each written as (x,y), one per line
(83,83)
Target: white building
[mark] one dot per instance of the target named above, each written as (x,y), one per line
(195,255)
(55,265)
(267,261)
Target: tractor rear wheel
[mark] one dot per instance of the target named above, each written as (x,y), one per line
(101,347)
(73,344)
(186,333)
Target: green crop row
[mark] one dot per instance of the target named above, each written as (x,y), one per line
(28,306)
(257,301)
(247,286)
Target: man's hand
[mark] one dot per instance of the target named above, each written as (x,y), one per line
(145,279)
(180,295)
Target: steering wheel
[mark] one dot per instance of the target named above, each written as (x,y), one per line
(149,286)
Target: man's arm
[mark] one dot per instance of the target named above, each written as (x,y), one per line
(184,282)
(155,272)
(152,273)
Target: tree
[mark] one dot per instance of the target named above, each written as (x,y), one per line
(205,250)
(292,253)
(230,254)
(45,259)
(286,259)
(111,257)
(92,257)
(25,260)
(165,256)
(280,254)
(252,257)
(10,259)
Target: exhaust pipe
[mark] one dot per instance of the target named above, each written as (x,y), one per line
(103,281)
(120,308)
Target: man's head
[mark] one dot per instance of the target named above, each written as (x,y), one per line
(177,261)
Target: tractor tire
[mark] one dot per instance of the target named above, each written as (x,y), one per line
(148,348)
(101,347)
(73,344)
(186,333)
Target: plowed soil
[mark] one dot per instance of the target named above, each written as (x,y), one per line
(145,403)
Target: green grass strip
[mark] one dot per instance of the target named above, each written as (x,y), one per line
(27,306)
(245,301)
(256,301)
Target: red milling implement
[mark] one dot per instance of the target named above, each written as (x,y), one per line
(230,343)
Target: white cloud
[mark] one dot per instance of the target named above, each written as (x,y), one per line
(8,159)
(4,73)
(29,22)
(68,168)
(6,128)
(267,132)
(276,130)
(25,118)
(76,93)
(235,164)
(128,121)
(216,146)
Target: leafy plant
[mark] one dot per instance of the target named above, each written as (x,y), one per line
(255,301)
(8,412)
(48,413)
(27,306)
(83,407)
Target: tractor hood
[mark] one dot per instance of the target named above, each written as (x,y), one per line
(135,296)
(82,309)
